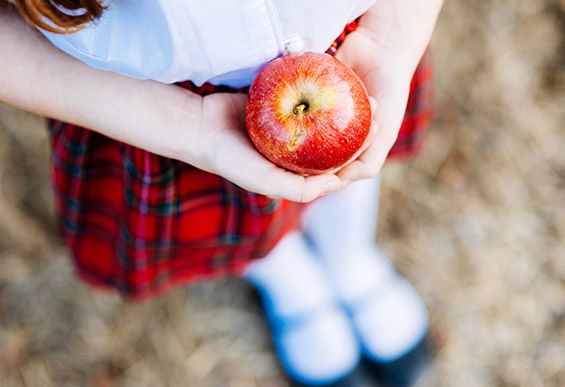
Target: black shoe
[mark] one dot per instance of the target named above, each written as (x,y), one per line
(280,326)
(404,371)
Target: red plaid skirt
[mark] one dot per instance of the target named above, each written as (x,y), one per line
(142,224)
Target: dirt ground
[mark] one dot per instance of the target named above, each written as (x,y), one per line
(477,222)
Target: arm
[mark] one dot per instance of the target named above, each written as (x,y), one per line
(37,77)
(163,119)
(385,51)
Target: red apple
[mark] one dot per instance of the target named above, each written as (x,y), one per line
(308,113)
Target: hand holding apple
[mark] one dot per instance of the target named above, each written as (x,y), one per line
(225,150)
(308,113)
(384,51)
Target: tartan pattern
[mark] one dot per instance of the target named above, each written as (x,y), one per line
(143,224)
(419,109)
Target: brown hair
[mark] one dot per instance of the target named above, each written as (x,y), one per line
(60,16)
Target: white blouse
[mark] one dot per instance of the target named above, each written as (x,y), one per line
(217,41)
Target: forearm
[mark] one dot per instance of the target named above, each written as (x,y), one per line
(38,78)
(403,28)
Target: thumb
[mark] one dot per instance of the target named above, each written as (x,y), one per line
(373,103)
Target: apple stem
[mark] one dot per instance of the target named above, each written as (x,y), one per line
(299,109)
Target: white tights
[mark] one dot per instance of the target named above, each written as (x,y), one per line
(343,265)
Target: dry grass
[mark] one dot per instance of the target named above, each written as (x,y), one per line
(477,222)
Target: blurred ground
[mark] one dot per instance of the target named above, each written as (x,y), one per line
(477,222)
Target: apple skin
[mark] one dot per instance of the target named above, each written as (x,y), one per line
(308,113)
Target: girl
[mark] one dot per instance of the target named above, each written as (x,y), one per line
(164,188)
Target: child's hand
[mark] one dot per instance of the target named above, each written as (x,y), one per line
(227,151)
(389,86)
(384,51)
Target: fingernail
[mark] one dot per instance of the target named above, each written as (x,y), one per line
(330,187)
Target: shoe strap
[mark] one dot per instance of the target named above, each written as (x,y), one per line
(379,290)
(282,324)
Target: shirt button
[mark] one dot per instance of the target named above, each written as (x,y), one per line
(294,45)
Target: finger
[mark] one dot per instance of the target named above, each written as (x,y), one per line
(371,161)
(373,130)
(256,174)
(371,136)
(290,186)
(373,103)
(279,183)
(388,116)
(317,186)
